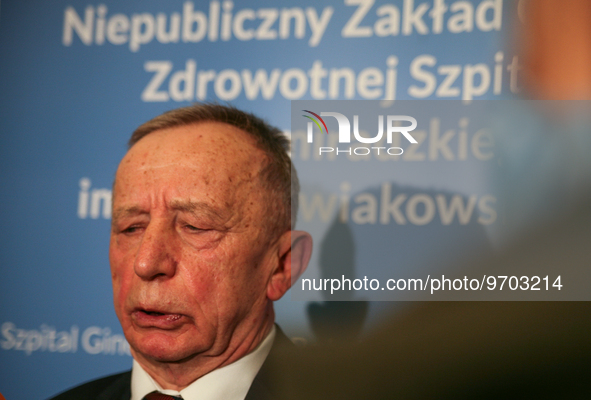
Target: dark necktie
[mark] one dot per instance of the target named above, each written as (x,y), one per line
(160,396)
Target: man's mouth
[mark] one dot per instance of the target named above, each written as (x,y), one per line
(152,312)
(146,318)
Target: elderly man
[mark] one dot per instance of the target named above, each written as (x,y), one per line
(201,246)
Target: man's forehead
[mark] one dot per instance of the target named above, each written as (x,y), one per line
(217,144)
(211,161)
(202,136)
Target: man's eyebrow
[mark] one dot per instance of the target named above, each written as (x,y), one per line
(127,211)
(193,207)
(199,208)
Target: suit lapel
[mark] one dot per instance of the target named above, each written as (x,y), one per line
(265,385)
(120,389)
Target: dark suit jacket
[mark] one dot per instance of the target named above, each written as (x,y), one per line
(118,386)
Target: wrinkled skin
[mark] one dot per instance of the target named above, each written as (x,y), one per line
(194,265)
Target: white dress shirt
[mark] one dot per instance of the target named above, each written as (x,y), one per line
(229,383)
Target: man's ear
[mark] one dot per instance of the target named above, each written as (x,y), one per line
(295,249)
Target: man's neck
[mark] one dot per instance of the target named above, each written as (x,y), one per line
(179,375)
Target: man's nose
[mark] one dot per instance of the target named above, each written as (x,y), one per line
(156,257)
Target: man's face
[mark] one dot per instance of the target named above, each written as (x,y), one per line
(190,251)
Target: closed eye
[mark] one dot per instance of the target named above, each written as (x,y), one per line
(193,228)
(131,229)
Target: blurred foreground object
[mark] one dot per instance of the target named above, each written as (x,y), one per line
(461,350)
(545,163)
(556,48)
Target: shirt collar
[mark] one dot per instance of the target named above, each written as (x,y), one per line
(230,382)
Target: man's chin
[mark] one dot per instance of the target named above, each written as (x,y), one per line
(162,348)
